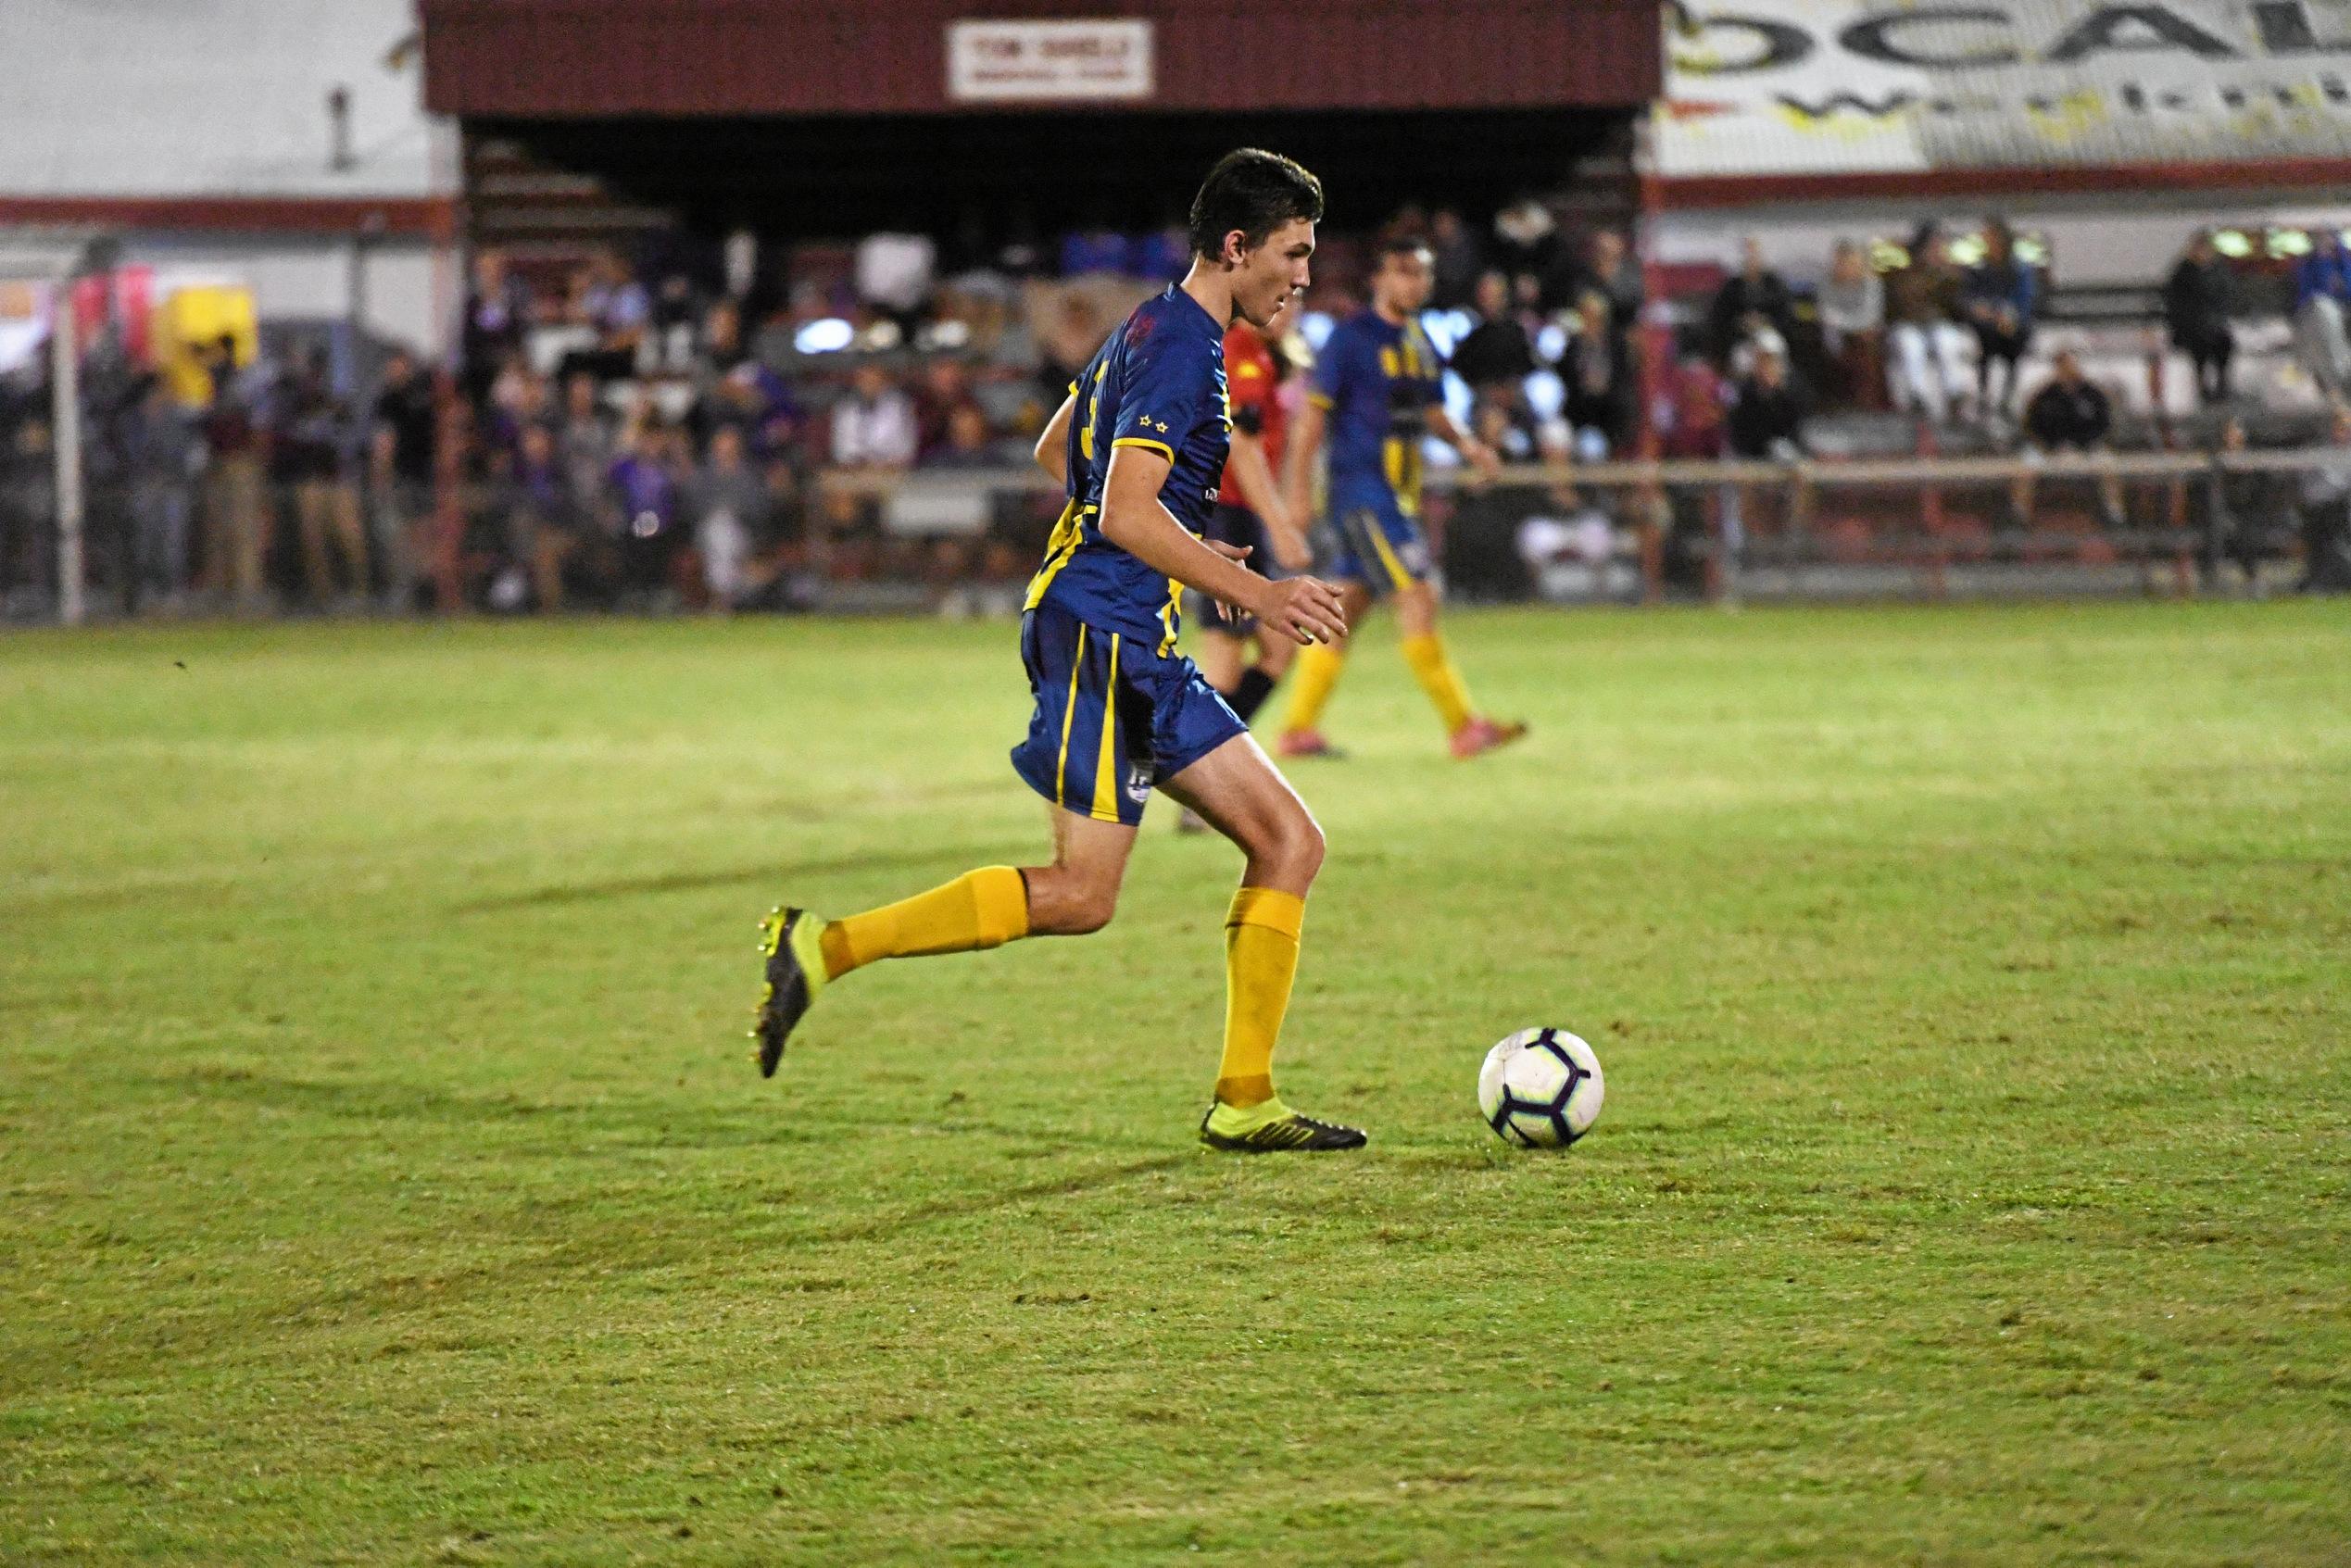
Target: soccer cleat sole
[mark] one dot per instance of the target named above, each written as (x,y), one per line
(786,995)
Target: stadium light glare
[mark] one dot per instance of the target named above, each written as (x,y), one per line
(826,334)
(1445,328)
(1546,395)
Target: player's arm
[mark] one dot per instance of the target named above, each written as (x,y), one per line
(1052,446)
(1476,453)
(1135,520)
(1254,475)
(1298,452)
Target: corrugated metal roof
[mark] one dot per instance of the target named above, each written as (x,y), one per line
(558,58)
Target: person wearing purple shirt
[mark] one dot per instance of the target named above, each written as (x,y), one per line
(647,493)
(644,488)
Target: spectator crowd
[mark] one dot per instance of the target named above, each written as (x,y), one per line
(688,434)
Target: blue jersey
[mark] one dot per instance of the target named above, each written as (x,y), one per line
(1377,382)
(1158,382)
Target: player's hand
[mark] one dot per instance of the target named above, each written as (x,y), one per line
(1304,609)
(1226,610)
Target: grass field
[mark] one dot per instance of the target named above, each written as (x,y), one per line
(382,1178)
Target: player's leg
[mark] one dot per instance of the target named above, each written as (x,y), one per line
(1396,542)
(1467,731)
(994,905)
(1319,665)
(1077,756)
(1221,657)
(980,910)
(1244,683)
(1257,681)
(1243,795)
(1432,666)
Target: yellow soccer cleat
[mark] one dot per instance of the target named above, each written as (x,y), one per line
(1273,1128)
(791,940)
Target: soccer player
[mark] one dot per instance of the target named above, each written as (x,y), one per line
(1377,393)
(1250,513)
(1139,443)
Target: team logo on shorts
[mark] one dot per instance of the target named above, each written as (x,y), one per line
(1138,783)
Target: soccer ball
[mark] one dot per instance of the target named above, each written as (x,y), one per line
(1541,1089)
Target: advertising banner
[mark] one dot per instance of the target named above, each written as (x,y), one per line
(1774,87)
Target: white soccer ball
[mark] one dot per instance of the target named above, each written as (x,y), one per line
(1541,1089)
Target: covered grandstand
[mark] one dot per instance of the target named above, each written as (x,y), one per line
(801,119)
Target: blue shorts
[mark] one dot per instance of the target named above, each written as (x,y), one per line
(1113,717)
(1379,545)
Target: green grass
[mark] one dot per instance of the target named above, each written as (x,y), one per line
(382,1178)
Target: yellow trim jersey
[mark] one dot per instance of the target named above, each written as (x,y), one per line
(1378,381)
(1158,382)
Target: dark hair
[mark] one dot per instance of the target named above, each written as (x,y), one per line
(1255,192)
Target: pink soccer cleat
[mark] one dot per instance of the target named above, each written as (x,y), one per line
(1483,734)
(1305,743)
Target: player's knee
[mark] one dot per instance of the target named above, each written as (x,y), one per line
(1088,913)
(1084,909)
(1311,847)
(1062,902)
(1296,846)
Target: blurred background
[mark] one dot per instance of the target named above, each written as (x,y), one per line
(534,305)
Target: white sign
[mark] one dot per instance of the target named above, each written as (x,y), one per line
(1047,61)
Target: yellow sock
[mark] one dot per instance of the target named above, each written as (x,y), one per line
(983,908)
(1260,960)
(1310,684)
(1435,672)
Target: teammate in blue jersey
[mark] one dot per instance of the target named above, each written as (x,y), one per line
(1378,395)
(1140,446)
